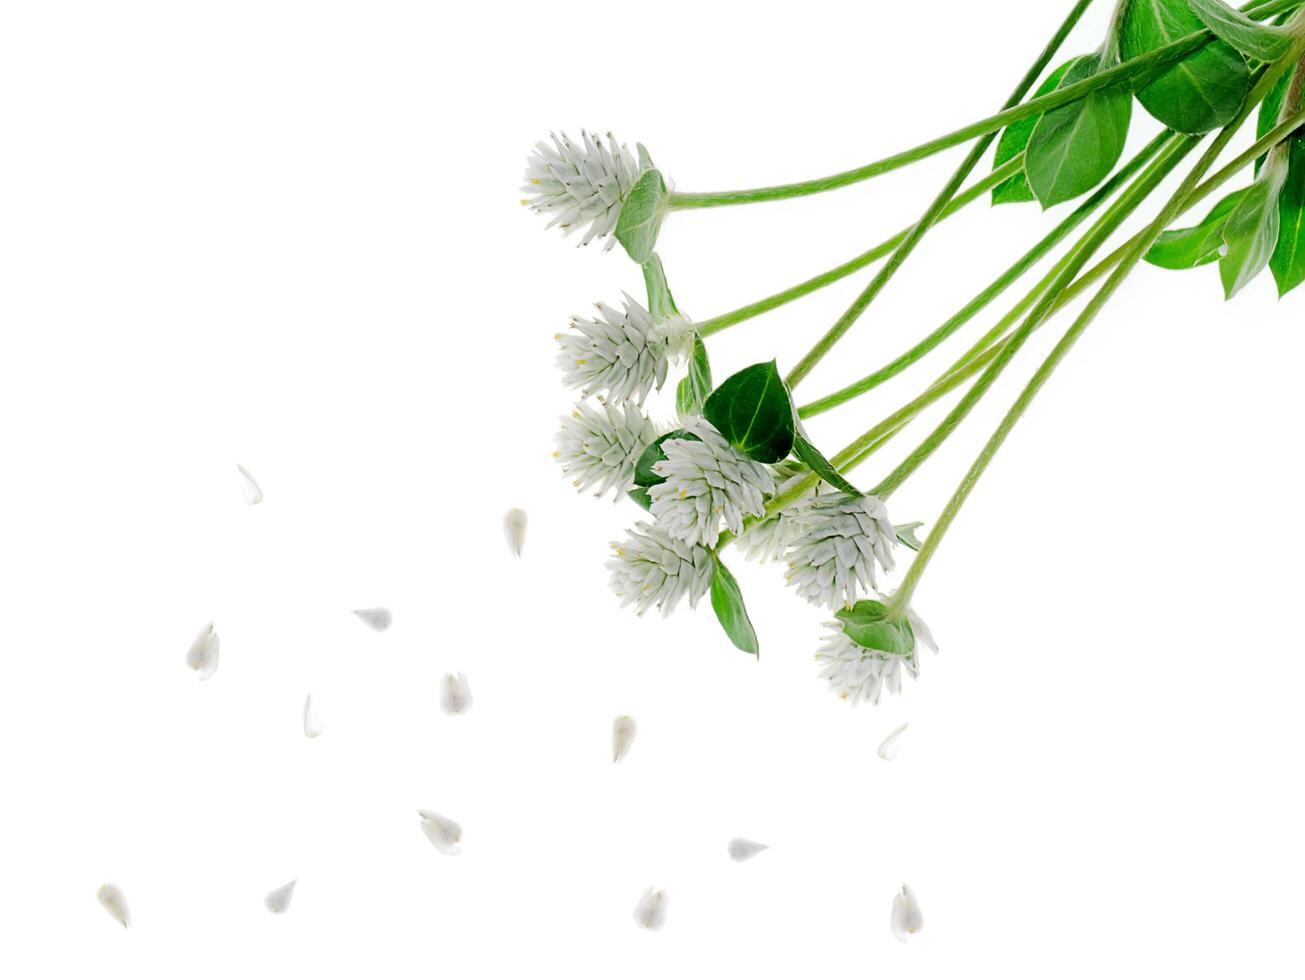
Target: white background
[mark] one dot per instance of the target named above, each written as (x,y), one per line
(288,235)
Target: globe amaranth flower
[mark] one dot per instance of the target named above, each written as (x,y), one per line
(651,568)
(707,481)
(869,649)
(600,446)
(624,354)
(770,539)
(579,183)
(843,538)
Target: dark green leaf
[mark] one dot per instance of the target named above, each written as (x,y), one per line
(1263,42)
(1288,261)
(696,386)
(906,535)
(1074,148)
(1015,138)
(868,625)
(809,454)
(641,497)
(1251,233)
(1186,248)
(641,216)
(1269,110)
(753,411)
(727,600)
(1199,93)
(652,455)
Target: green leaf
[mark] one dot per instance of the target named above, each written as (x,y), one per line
(753,411)
(641,216)
(1288,261)
(1270,108)
(867,624)
(906,535)
(823,468)
(1074,148)
(1251,233)
(652,455)
(641,497)
(1197,94)
(727,601)
(1263,42)
(696,385)
(1187,248)
(1015,138)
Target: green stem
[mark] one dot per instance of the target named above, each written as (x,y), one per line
(708,327)
(1141,244)
(991,291)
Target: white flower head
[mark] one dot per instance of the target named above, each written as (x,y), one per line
(651,568)
(599,447)
(843,538)
(769,539)
(622,354)
(858,673)
(581,183)
(707,481)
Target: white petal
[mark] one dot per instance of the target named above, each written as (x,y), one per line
(650,913)
(111,897)
(202,657)
(623,732)
(278,900)
(312,722)
(455,695)
(444,833)
(514,529)
(378,619)
(249,488)
(741,849)
(888,747)
(907,919)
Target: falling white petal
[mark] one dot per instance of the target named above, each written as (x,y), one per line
(907,919)
(741,849)
(514,529)
(115,903)
(455,694)
(278,900)
(444,833)
(623,732)
(650,913)
(378,619)
(249,488)
(888,747)
(312,721)
(202,657)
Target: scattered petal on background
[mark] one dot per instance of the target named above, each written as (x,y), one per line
(202,657)
(378,619)
(278,900)
(741,848)
(455,694)
(444,833)
(514,529)
(907,919)
(650,913)
(111,897)
(623,732)
(249,488)
(312,722)
(888,747)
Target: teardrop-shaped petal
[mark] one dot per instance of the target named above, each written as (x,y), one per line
(455,694)
(202,657)
(907,919)
(115,903)
(888,747)
(312,721)
(278,900)
(250,491)
(378,618)
(444,833)
(650,913)
(514,529)
(623,732)
(741,849)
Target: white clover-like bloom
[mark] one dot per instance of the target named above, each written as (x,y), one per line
(600,446)
(767,540)
(581,183)
(624,354)
(843,538)
(857,673)
(707,481)
(651,568)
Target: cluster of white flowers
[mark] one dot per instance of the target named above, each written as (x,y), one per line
(843,537)
(624,355)
(857,673)
(600,446)
(652,568)
(581,183)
